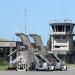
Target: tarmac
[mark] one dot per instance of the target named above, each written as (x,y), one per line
(70,71)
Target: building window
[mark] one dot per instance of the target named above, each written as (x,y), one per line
(57,37)
(67,28)
(57,46)
(60,28)
(63,28)
(56,28)
(53,28)
(64,37)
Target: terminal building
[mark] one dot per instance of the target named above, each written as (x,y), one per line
(62,40)
(6,47)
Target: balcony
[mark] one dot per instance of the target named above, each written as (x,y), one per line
(64,33)
(56,33)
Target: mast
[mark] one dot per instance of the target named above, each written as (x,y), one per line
(25,20)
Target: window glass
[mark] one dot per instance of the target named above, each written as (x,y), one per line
(63,27)
(56,28)
(57,46)
(57,37)
(53,27)
(64,37)
(67,28)
(60,28)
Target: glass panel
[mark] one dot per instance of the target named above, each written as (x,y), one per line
(60,28)
(53,27)
(56,28)
(57,37)
(57,46)
(67,28)
(64,37)
(63,28)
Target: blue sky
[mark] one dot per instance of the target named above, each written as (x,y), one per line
(39,14)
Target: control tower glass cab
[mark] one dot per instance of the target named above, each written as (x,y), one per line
(62,27)
(62,37)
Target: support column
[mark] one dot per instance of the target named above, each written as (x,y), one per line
(10,58)
(64,28)
(51,43)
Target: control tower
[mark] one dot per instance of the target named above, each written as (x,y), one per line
(62,37)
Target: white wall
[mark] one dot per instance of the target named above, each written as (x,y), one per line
(63,43)
(59,33)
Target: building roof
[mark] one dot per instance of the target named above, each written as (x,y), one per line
(62,23)
(8,43)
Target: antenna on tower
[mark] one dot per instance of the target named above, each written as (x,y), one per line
(25,20)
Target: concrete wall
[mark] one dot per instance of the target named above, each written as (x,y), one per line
(64,43)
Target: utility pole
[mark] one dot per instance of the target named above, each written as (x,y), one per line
(25,20)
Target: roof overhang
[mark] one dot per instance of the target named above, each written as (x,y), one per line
(7,43)
(62,24)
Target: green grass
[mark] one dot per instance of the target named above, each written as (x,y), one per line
(3,67)
(70,65)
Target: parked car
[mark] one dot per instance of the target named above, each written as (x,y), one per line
(44,66)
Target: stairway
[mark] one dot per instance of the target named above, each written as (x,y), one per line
(38,43)
(29,53)
(41,57)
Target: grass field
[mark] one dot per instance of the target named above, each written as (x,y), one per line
(3,67)
(70,65)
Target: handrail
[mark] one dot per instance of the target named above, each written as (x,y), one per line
(13,52)
(19,58)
